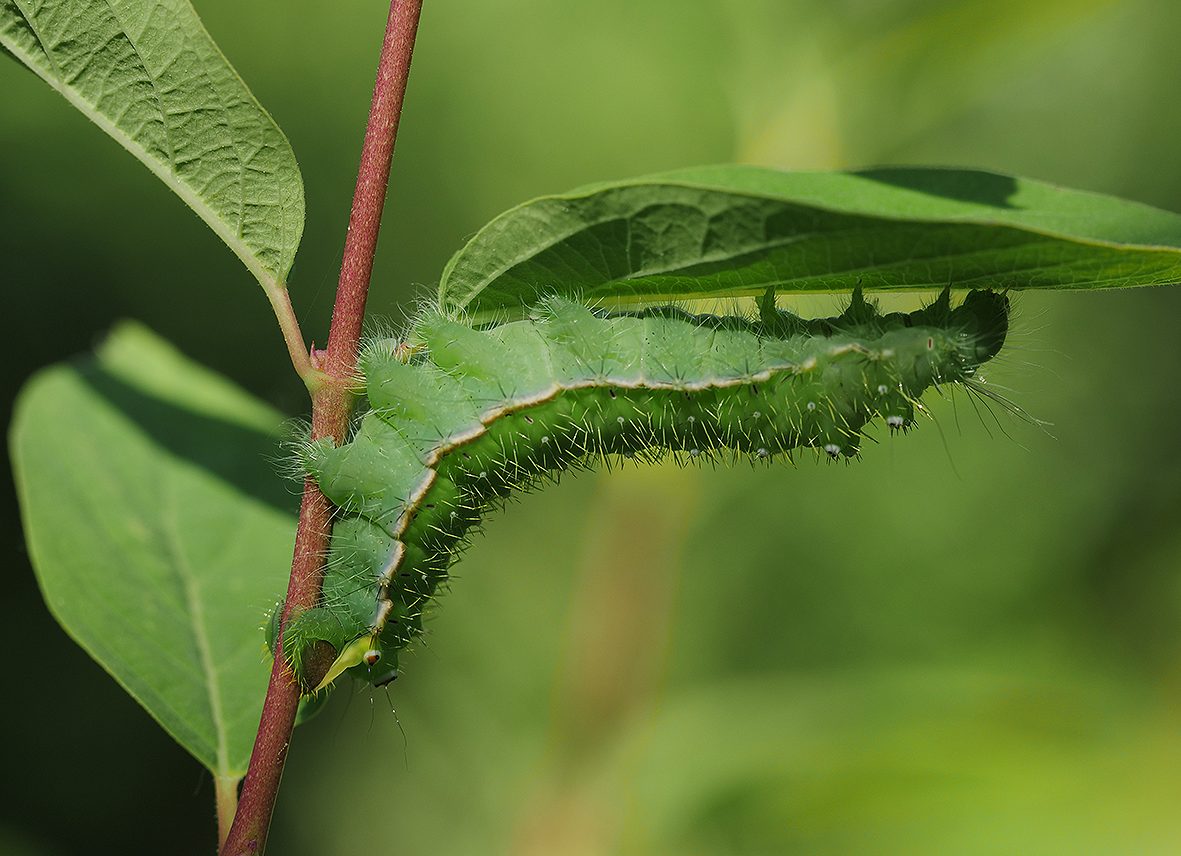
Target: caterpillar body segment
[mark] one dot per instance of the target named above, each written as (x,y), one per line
(464,416)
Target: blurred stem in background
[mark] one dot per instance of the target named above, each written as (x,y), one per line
(614,666)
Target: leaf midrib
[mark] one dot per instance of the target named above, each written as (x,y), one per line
(170,542)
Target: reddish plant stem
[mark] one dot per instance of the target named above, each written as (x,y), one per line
(372,180)
(331,405)
(261,786)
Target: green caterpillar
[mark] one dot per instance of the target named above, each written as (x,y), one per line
(458,417)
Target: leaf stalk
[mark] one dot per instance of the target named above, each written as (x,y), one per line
(226,797)
(301,360)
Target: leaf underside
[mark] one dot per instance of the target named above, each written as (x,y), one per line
(733,231)
(148,73)
(158,532)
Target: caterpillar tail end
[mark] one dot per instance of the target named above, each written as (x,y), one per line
(354,654)
(317,654)
(312,647)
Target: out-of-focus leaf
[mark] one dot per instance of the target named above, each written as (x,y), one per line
(148,73)
(733,231)
(159,532)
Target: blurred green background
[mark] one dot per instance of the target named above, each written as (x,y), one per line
(968,642)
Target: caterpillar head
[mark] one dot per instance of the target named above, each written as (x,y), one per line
(982,322)
(957,340)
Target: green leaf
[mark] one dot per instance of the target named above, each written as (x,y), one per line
(732,231)
(147,73)
(159,532)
